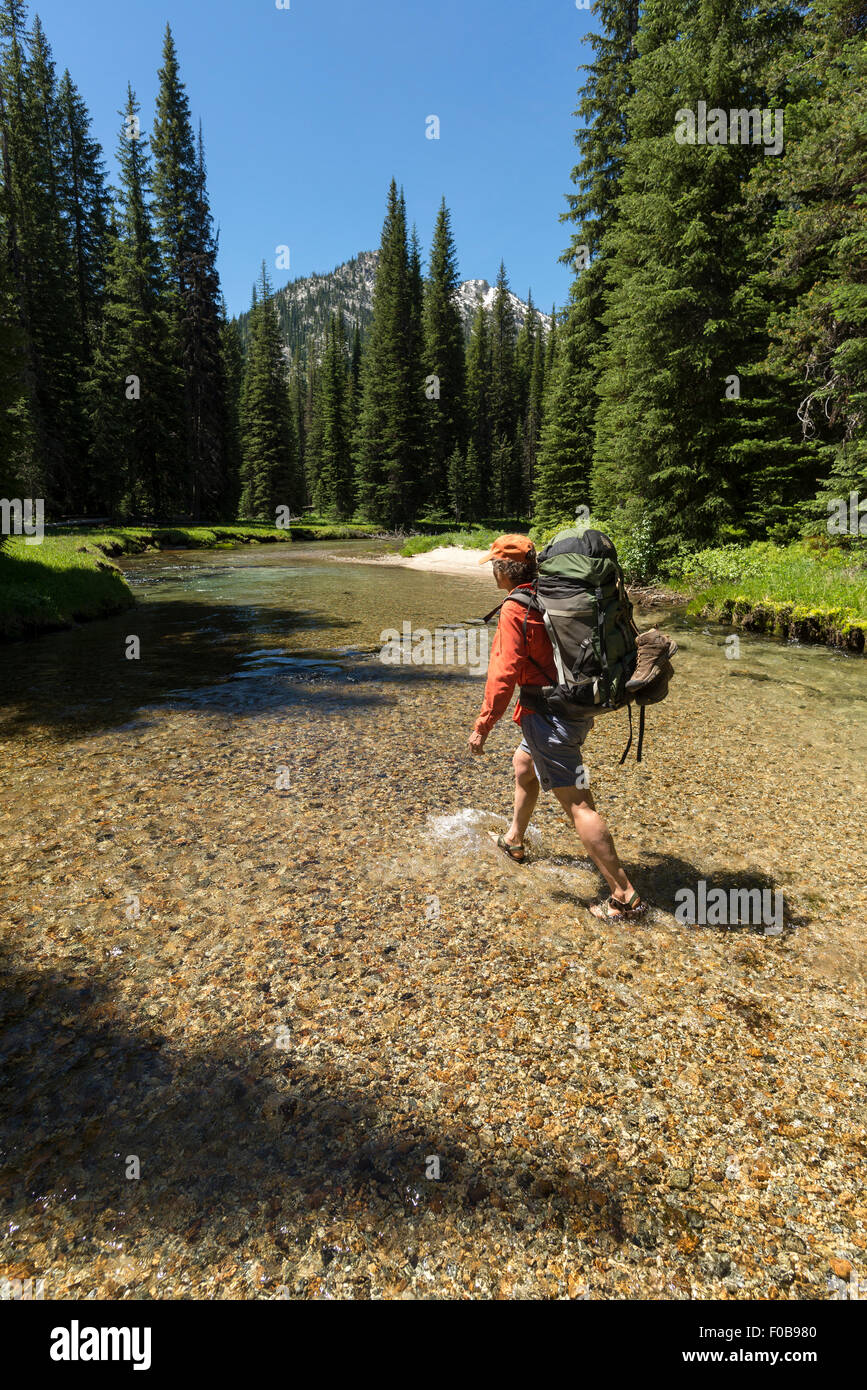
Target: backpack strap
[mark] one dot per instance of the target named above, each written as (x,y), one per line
(526,599)
(629,744)
(603,654)
(640,734)
(562,674)
(530,655)
(530,600)
(533,601)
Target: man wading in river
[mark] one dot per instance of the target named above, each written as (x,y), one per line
(550,751)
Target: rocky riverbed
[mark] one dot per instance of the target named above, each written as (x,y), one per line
(279,1021)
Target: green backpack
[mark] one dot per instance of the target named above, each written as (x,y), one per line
(581,594)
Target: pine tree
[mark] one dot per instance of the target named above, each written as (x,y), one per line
(297,393)
(308,431)
(525,347)
(388,444)
(354,405)
(504,404)
(333,491)
(270,474)
(39,260)
(206,410)
(15,440)
(444,359)
(531,423)
(478,396)
(568,433)
(562,475)
(87,208)
(468,489)
(551,346)
(132,376)
(462,476)
(818,275)
(416,426)
(666,432)
(233,371)
(176,175)
(189,250)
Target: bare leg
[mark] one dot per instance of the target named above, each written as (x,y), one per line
(526,796)
(596,838)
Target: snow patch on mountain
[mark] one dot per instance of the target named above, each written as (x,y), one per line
(305,305)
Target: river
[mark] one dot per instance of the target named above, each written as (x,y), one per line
(263,965)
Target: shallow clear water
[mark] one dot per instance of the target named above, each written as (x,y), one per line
(258,821)
(206,617)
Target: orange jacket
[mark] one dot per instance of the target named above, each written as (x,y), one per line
(509,663)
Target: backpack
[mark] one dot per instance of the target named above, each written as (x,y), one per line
(581,594)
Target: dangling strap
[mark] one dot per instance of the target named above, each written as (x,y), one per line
(629,744)
(640,735)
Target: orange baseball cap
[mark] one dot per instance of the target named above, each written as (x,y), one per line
(519,548)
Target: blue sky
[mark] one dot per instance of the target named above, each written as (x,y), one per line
(309,111)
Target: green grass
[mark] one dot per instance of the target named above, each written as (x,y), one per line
(473,538)
(806,590)
(132,540)
(55,584)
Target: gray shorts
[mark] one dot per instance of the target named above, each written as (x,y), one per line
(554,744)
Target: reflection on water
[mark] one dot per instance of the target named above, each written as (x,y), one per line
(204,619)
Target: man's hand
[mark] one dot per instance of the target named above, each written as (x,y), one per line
(477,743)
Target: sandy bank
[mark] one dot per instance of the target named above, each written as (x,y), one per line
(446,559)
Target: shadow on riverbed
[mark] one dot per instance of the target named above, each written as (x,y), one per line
(245,1135)
(662,877)
(203,657)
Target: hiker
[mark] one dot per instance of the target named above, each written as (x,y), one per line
(550,750)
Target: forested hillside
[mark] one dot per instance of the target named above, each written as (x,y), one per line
(305,306)
(705,383)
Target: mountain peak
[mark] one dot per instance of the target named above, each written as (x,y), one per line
(305,305)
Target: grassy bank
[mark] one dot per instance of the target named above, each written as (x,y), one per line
(69,578)
(55,584)
(472,538)
(806,591)
(135,540)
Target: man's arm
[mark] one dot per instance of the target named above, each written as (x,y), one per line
(506,651)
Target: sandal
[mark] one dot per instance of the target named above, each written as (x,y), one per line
(629,909)
(516,853)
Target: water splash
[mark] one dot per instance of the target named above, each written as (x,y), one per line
(470,825)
